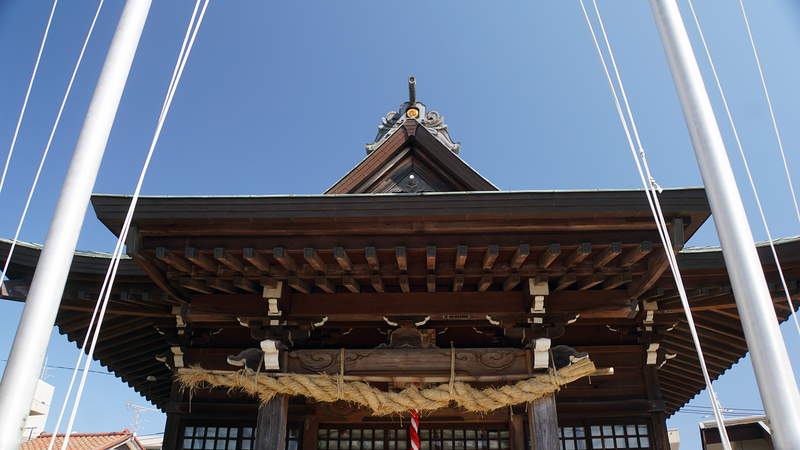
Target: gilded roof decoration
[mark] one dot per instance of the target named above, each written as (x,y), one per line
(431,120)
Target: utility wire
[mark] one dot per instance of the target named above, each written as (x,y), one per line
(651,188)
(27,95)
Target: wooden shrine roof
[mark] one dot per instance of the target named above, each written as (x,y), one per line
(494,229)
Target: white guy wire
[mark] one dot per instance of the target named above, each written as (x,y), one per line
(49,142)
(129,217)
(749,175)
(771,112)
(650,189)
(119,241)
(27,95)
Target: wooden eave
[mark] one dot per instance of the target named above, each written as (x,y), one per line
(411,138)
(290,214)
(129,340)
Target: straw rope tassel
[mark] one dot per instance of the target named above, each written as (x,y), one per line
(325,388)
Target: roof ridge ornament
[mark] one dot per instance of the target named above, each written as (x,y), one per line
(413,110)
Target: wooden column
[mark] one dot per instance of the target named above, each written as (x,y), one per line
(171,431)
(170,441)
(516,424)
(543,423)
(310,432)
(271,431)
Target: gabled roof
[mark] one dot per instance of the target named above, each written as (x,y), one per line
(86,441)
(412,152)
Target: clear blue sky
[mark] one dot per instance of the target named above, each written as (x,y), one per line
(280,97)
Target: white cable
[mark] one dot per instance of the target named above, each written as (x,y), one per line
(119,241)
(650,189)
(183,57)
(27,95)
(749,175)
(49,142)
(771,112)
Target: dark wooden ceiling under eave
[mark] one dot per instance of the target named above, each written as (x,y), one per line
(715,314)
(412,150)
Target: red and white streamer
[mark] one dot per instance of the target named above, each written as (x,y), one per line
(414,431)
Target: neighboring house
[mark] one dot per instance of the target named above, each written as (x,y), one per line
(745,433)
(40,407)
(122,440)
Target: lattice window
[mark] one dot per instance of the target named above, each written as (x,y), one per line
(451,439)
(217,438)
(620,436)
(199,436)
(330,438)
(601,435)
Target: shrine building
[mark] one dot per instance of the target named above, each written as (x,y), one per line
(411,272)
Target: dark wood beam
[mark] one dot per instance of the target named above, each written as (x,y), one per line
(163,254)
(154,268)
(341,257)
(511,282)
(491,256)
(247,285)
(325,284)
(220,285)
(196,286)
(617,281)
(652,293)
(520,255)
(255,258)
(377,284)
(458,282)
(565,281)
(611,252)
(314,259)
(225,257)
(351,284)
(268,282)
(299,285)
(430,257)
(201,260)
(373,306)
(431,282)
(284,259)
(550,254)
(641,250)
(676,234)
(656,265)
(402,263)
(461,257)
(372,259)
(404,284)
(578,255)
(485,282)
(113,309)
(590,281)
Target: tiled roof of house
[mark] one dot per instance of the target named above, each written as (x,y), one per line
(82,441)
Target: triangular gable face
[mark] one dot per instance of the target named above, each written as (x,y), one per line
(412,153)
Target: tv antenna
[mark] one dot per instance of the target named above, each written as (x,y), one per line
(138,410)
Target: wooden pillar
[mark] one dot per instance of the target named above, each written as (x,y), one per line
(660,438)
(171,435)
(271,431)
(170,441)
(516,425)
(310,432)
(543,423)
